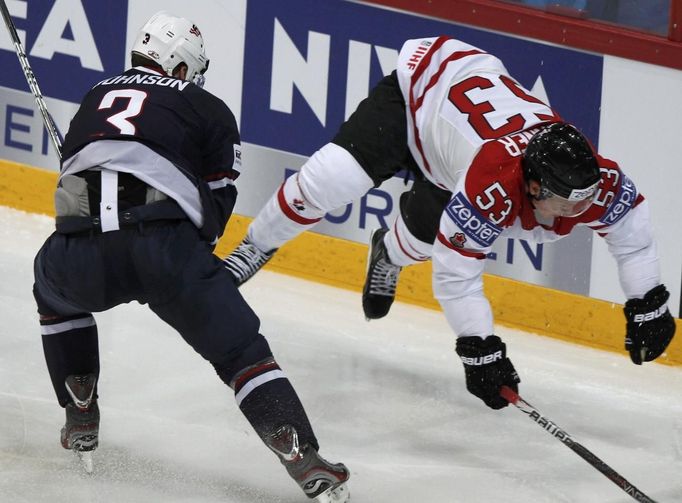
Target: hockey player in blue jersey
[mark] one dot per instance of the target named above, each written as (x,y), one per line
(146,187)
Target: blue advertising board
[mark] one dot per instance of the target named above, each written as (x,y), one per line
(71,45)
(323,34)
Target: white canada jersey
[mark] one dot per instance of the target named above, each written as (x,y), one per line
(469,124)
(457,98)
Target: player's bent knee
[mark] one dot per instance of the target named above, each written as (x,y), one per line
(255,352)
(333,178)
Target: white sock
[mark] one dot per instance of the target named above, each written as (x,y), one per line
(403,248)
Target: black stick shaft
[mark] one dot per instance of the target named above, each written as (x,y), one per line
(512,397)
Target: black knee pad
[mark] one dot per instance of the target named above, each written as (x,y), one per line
(421,208)
(255,352)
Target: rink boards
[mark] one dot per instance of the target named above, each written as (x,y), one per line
(341,263)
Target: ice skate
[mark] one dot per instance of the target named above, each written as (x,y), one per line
(246,260)
(320,480)
(81,430)
(381,280)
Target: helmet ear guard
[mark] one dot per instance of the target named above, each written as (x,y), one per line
(169,41)
(562,161)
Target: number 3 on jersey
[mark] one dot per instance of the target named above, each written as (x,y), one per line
(496,106)
(121,119)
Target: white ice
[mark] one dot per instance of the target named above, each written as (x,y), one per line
(386,397)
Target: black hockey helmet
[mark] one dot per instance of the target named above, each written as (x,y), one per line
(561,160)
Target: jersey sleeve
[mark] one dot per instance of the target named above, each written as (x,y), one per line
(222,148)
(632,244)
(221,161)
(488,199)
(620,215)
(480,208)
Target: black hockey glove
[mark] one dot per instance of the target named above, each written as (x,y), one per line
(487,368)
(650,326)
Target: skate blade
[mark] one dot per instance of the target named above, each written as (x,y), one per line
(85,459)
(338,494)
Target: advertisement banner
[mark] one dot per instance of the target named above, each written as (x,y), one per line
(70,45)
(293,72)
(312,62)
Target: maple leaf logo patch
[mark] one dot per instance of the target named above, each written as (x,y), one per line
(458,240)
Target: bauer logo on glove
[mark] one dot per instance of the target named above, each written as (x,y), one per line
(487,368)
(643,317)
(482,360)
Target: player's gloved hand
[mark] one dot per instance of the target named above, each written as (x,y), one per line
(487,368)
(650,326)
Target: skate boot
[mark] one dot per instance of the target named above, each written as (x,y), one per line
(81,430)
(319,479)
(381,280)
(245,261)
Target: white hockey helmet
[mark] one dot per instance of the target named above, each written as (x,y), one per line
(169,40)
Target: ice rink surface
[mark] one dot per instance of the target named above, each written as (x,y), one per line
(387,398)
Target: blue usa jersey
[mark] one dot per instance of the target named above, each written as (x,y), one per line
(186,140)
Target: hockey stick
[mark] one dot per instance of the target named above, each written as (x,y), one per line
(512,397)
(31,79)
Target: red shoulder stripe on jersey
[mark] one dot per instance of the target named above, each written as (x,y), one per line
(436,77)
(421,68)
(426,60)
(418,142)
(466,253)
(291,214)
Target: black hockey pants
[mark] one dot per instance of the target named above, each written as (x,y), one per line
(164,264)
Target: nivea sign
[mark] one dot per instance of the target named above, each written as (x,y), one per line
(312,62)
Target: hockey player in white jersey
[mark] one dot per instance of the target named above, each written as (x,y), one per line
(489,158)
